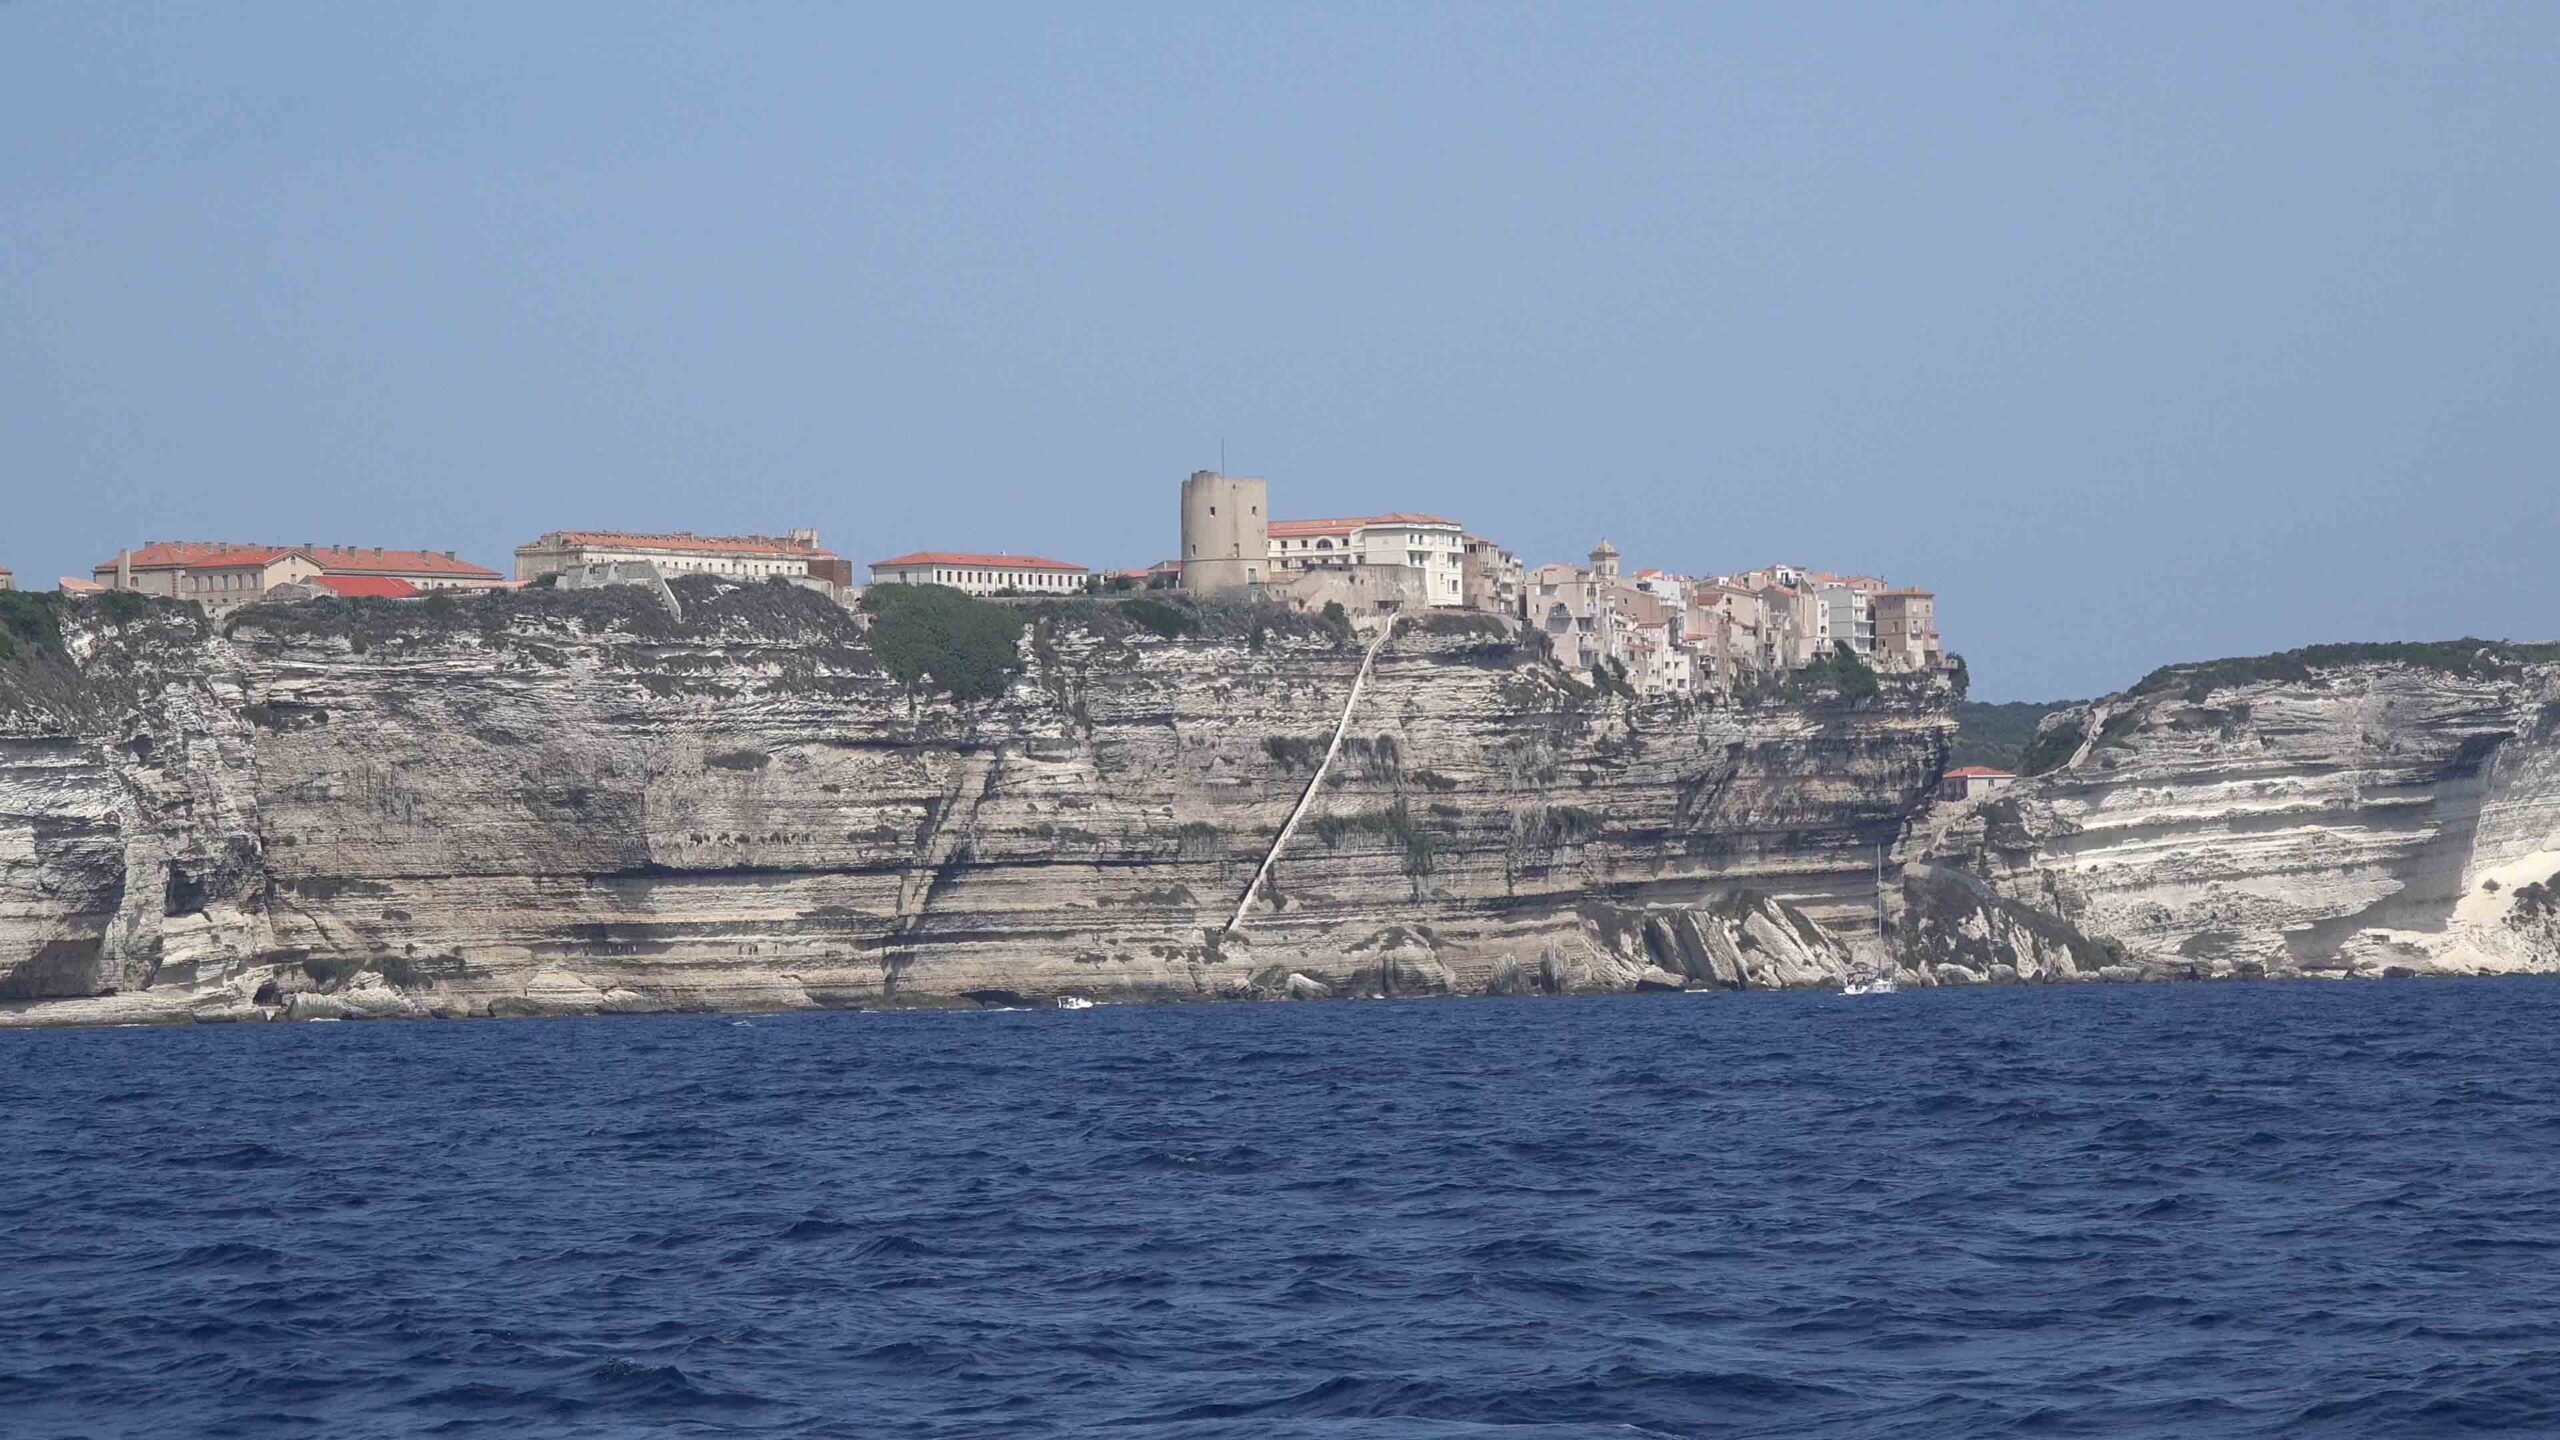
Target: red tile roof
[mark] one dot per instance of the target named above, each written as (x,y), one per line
(683,541)
(72,585)
(358,560)
(386,587)
(195,555)
(1981,772)
(340,559)
(983,562)
(1291,529)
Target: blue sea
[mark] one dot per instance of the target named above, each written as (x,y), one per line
(2242,1209)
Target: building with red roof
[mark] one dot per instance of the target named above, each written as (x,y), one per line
(1433,546)
(8,579)
(681,552)
(375,587)
(1971,780)
(983,573)
(222,575)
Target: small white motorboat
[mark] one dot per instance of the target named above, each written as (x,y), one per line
(1074,1002)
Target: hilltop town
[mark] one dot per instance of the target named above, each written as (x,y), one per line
(1663,634)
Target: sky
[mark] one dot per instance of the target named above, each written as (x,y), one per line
(2139,333)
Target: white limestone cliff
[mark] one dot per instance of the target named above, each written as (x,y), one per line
(557,803)
(2368,818)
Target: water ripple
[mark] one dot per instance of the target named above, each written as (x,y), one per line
(2233,1210)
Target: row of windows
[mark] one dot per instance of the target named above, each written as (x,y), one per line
(1017,579)
(1326,543)
(721,567)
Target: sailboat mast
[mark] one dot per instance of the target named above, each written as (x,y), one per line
(1879,894)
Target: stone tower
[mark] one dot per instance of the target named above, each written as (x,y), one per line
(1226,531)
(1604,561)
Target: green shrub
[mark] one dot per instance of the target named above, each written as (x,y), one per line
(2052,748)
(1463,623)
(1165,622)
(1293,752)
(1563,825)
(1998,735)
(932,634)
(31,619)
(1845,671)
(1395,825)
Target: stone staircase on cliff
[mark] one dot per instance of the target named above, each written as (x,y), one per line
(1315,782)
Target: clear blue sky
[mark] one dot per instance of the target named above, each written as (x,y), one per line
(2140,332)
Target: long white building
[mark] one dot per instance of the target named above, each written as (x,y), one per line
(681,552)
(981,574)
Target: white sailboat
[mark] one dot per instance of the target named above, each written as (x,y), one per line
(1880,982)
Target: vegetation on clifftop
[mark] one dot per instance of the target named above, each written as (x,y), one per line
(128,640)
(2468,658)
(773,610)
(1998,735)
(932,635)
(29,622)
(1179,615)
(2053,745)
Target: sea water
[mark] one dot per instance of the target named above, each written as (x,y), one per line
(2241,1209)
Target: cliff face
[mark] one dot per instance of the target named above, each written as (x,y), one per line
(2368,818)
(558,803)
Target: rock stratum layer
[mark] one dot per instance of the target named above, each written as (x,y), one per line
(569,803)
(548,804)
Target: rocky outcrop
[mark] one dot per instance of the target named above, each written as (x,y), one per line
(550,803)
(2371,817)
